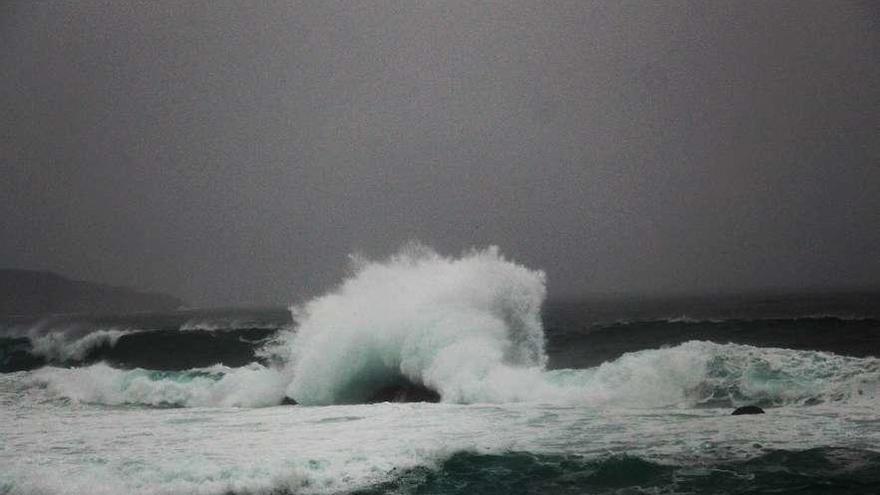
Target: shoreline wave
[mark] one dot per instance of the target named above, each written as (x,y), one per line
(693,374)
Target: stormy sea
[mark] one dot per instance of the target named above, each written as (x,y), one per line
(428,374)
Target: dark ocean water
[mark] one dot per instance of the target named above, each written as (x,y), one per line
(812,471)
(633,397)
(579,334)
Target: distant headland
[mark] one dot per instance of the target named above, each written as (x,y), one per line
(28,292)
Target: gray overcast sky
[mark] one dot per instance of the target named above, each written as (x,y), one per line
(235,152)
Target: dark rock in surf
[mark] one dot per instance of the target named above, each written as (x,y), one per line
(287,401)
(408,392)
(747,410)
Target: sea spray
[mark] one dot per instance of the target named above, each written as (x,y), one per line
(467,327)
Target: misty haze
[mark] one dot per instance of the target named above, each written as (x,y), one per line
(439,247)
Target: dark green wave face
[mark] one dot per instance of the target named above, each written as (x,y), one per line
(815,471)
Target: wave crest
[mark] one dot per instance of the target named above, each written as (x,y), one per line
(454,325)
(693,374)
(700,373)
(62,347)
(469,329)
(248,386)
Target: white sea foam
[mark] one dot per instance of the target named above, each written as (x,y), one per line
(468,328)
(692,374)
(698,372)
(457,325)
(52,448)
(249,386)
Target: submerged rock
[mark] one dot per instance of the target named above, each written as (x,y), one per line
(408,392)
(747,410)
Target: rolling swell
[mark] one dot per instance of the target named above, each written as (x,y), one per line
(199,342)
(154,349)
(176,350)
(247,386)
(693,374)
(171,341)
(463,330)
(571,344)
(815,471)
(469,328)
(706,374)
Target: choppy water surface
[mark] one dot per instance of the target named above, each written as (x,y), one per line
(191,402)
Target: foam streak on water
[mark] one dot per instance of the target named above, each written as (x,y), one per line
(96,450)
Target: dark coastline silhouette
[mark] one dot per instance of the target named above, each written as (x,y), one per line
(28,292)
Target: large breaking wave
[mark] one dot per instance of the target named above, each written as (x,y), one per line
(693,374)
(469,329)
